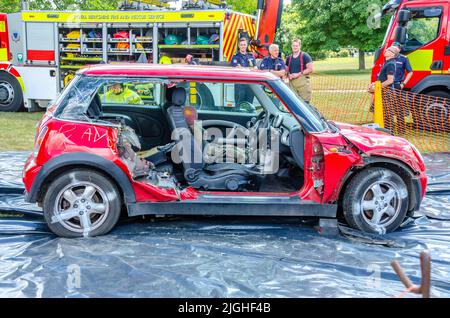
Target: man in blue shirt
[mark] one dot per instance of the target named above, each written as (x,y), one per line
(273,62)
(242,92)
(243,58)
(402,65)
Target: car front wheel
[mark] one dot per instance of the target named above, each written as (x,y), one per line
(81,203)
(375,201)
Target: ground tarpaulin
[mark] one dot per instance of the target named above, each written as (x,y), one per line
(218,257)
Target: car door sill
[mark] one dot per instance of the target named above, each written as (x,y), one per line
(210,204)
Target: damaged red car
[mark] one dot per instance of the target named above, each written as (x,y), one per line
(205,140)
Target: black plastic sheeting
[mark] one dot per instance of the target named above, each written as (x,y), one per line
(219,257)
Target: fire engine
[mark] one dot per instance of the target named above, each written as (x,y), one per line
(40,51)
(422,27)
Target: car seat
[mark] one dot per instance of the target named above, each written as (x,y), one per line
(223,176)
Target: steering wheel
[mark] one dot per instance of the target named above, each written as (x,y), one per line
(261,122)
(224,123)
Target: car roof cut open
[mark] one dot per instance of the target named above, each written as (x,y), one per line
(189,71)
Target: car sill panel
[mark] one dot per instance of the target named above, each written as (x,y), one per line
(235,205)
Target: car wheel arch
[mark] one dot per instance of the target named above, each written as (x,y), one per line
(398,167)
(80,161)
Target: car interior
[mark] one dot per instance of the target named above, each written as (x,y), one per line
(211,136)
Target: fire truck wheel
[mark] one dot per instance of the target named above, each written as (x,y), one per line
(11,97)
(81,203)
(375,201)
(436,113)
(205,99)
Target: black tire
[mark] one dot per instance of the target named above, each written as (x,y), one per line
(205,99)
(106,195)
(8,84)
(359,191)
(435,116)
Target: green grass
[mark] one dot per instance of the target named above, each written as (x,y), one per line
(339,89)
(18,130)
(342,64)
(345,67)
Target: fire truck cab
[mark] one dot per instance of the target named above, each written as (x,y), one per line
(422,27)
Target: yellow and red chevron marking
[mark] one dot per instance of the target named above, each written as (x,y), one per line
(233,23)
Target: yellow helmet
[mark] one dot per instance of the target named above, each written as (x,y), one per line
(68,78)
(165,60)
(73,46)
(74,34)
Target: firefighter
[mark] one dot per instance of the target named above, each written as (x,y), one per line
(242,92)
(387,73)
(273,62)
(189,59)
(243,58)
(119,94)
(402,66)
(165,59)
(299,68)
(394,105)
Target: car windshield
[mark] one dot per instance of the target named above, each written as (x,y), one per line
(310,118)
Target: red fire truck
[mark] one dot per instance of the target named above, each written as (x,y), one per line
(422,27)
(40,51)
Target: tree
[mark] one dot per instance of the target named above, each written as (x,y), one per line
(244,6)
(291,22)
(10,6)
(331,25)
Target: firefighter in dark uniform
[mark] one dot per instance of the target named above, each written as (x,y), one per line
(402,66)
(273,62)
(394,102)
(243,58)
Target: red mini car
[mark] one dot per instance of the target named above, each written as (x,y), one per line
(205,140)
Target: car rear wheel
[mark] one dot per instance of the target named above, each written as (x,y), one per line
(375,201)
(81,203)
